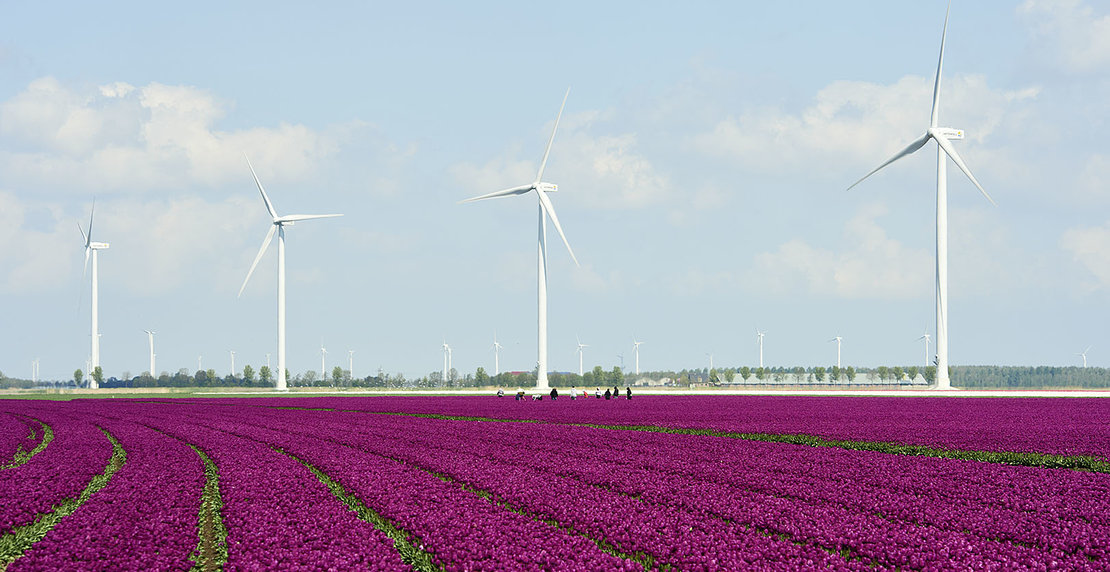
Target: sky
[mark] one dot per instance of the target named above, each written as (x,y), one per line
(702,162)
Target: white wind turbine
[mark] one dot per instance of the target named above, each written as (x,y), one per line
(636,353)
(759,334)
(926,337)
(351,363)
(546,209)
(837,339)
(150,338)
(446,361)
(278,226)
(945,150)
(1083,354)
(581,346)
(93,248)
(323,357)
(232,352)
(496,356)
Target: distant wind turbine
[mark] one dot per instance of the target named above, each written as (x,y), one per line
(636,353)
(581,346)
(323,358)
(1083,354)
(496,355)
(150,338)
(446,360)
(278,225)
(943,137)
(760,335)
(926,337)
(232,352)
(837,339)
(93,248)
(546,209)
(351,363)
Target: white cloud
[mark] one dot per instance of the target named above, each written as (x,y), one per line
(121,137)
(851,125)
(1077,38)
(33,259)
(1090,248)
(873,265)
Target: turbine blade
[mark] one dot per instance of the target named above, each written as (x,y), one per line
(88,238)
(908,150)
(550,210)
(951,151)
(547,151)
(85,271)
(261,251)
(300,217)
(934,116)
(502,193)
(269,205)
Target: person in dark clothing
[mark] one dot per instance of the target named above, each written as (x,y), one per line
(616,392)
(554,394)
(607,394)
(628,390)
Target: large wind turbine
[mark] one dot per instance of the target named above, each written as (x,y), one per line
(636,353)
(581,346)
(546,209)
(945,150)
(150,338)
(93,248)
(1083,354)
(278,226)
(837,339)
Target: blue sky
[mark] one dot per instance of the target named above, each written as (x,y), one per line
(701,161)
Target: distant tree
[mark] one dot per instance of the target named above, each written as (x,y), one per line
(912,372)
(760,373)
(98,375)
(745,372)
(713,376)
(819,373)
(850,373)
(834,372)
(452,376)
(481,377)
(309,377)
(336,375)
(897,373)
(616,377)
(730,374)
(930,373)
(883,371)
(248,374)
(264,374)
(78,375)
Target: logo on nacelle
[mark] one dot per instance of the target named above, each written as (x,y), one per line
(548,187)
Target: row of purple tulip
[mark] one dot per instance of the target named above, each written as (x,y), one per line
(17,434)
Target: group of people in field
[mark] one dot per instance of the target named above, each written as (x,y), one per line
(615,393)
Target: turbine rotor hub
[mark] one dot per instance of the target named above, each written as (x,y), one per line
(547,187)
(949,133)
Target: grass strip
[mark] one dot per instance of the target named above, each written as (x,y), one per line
(411,554)
(22,456)
(211,551)
(15,543)
(1022,459)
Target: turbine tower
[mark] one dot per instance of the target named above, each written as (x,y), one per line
(323,357)
(943,137)
(926,337)
(581,346)
(760,335)
(232,352)
(496,356)
(636,353)
(546,209)
(93,248)
(446,361)
(1083,354)
(278,225)
(150,338)
(351,363)
(837,339)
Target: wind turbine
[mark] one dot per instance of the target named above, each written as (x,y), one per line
(232,352)
(1083,354)
(446,361)
(93,248)
(926,337)
(150,338)
(581,346)
(546,209)
(837,339)
(496,356)
(636,353)
(351,363)
(278,225)
(323,356)
(760,335)
(943,137)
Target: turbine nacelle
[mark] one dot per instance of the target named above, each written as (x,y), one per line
(947,132)
(98,246)
(546,187)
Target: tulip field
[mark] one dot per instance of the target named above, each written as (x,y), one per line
(487,483)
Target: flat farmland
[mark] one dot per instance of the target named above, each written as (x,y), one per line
(486,483)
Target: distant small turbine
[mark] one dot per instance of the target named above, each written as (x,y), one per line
(1083,354)
(496,355)
(351,363)
(760,335)
(446,360)
(636,353)
(323,357)
(581,346)
(232,352)
(837,339)
(926,337)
